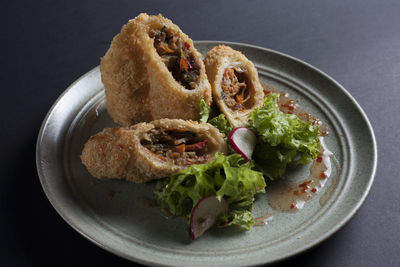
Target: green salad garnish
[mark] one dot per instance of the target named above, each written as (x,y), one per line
(220,122)
(282,138)
(229,177)
(204,111)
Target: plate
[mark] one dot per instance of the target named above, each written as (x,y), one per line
(116,216)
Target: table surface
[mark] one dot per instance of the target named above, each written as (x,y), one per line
(46,45)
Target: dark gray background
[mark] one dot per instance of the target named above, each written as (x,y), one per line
(46,45)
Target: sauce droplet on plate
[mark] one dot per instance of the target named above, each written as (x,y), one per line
(286,196)
(263,220)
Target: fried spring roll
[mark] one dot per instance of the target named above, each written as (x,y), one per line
(235,85)
(154,150)
(152,71)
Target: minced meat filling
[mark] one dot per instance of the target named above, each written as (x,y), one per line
(236,92)
(183,147)
(177,57)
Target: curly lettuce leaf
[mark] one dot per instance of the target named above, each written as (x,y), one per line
(221,124)
(204,111)
(241,218)
(283,138)
(229,177)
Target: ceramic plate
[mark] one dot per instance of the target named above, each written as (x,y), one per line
(113,214)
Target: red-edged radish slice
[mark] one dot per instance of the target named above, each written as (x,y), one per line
(243,141)
(205,214)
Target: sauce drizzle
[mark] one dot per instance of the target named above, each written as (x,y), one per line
(288,105)
(286,196)
(291,196)
(263,220)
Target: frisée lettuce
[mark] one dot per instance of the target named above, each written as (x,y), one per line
(282,138)
(204,111)
(229,177)
(221,123)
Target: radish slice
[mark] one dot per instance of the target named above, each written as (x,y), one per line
(205,214)
(243,141)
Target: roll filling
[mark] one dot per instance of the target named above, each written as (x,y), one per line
(182,147)
(176,55)
(236,89)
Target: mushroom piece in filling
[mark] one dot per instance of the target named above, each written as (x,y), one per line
(182,147)
(176,55)
(236,89)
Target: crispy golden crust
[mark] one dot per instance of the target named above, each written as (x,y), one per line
(125,79)
(217,60)
(109,153)
(117,152)
(137,83)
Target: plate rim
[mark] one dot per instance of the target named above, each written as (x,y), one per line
(286,255)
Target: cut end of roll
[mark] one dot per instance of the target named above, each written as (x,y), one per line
(235,85)
(152,71)
(107,154)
